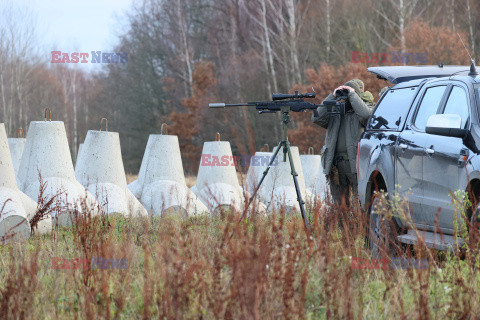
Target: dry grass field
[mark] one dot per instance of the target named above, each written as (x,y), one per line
(168,268)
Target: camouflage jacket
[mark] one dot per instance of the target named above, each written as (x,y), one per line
(355,126)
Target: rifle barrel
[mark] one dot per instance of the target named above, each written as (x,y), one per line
(223,105)
(237,105)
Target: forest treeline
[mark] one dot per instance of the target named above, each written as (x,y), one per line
(183,54)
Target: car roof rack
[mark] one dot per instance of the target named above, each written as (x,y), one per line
(398,74)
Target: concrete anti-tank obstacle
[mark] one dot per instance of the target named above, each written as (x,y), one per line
(16,146)
(47,154)
(169,197)
(16,209)
(258,164)
(217,181)
(322,188)
(279,189)
(79,152)
(14,224)
(42,226)
(161,182)
(311,167)
(100,169)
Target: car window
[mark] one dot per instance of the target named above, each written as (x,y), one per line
(393,108)
(457,103)
(429,105)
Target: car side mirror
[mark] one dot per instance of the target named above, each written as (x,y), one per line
(449,125)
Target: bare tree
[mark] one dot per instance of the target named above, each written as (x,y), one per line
(292,33)
(267,43)
(398,13)
(185,49)
(328,22)
(452,13)
(17,60)
(470,26)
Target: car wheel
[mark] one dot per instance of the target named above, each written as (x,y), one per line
(474,227)
(382,231)
(475,219)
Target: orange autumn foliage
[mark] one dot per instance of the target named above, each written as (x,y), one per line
(186,125)
(441,43)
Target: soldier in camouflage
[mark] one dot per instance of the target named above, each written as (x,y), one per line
(343,133)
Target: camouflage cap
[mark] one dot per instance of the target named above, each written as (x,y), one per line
(360,84)
(354,85)
(367,96)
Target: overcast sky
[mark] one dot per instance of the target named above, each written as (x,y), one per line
(80,25)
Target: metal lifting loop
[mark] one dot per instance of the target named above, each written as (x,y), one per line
(311,150)
(106,124)
(266,147)
(20,135)
(49,114)
(217,136)
(163,129)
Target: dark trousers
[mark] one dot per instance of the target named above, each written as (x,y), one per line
(343,182)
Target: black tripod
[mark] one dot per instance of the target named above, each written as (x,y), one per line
(285,145)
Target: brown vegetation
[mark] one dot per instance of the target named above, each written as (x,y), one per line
(270,269)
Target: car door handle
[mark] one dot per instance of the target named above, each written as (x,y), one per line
(403,146)
(430,151)
(462,160)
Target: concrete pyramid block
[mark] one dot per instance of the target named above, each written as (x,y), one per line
(217,181)
(16,146)
(100,169)
(14,224)
(135,188)
(165,196)
(216,165)
(16,209)
(135,207)
(47,154)
(279,189)
(258,164)
(162,161)
(311,167)
(111,197)
(161,185)
(322,188)
(80,148)
(221,196)
(100,159)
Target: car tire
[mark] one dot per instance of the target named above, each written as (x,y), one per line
(382,231)
(474,226)
(475,219)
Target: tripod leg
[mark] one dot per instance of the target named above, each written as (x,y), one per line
(265,172)
(297,188)
(259,183)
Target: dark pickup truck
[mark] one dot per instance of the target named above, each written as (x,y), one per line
(422,143)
